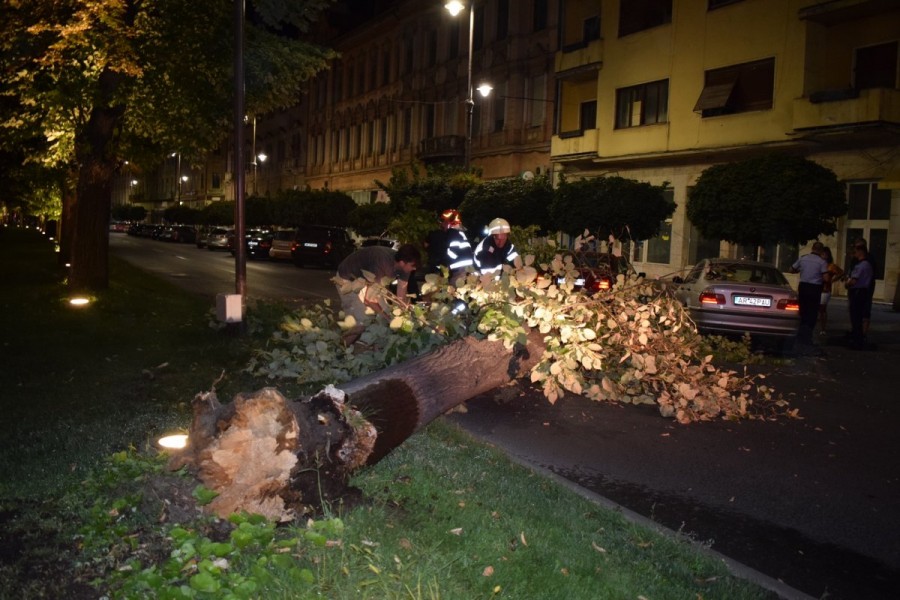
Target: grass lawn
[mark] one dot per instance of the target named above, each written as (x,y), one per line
(443,516)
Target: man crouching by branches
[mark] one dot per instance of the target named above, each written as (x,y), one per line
(363,279)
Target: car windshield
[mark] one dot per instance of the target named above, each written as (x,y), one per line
(744,273)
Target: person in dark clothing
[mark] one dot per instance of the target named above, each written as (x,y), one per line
(495,250)
(449,247)
(813,270)
(387,268)
(858,293)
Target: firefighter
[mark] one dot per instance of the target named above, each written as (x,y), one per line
(495,250)
(449,247)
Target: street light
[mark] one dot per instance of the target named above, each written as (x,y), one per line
(257,158)
(454,7)
(181,180)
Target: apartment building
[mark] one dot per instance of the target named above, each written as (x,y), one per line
(658,90)
(398,93)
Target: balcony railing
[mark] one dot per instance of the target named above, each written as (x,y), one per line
(836,109)
(442,147)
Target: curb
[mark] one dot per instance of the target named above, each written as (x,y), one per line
(740,570)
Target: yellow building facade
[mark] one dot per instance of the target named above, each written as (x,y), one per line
(666,88)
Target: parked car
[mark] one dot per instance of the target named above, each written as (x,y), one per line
(728,296)
(391,243)
(183,234)
(321,245)
(597,271)
(217,239)
(282,241)
(257,243)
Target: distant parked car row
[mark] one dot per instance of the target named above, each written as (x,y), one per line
(168,233)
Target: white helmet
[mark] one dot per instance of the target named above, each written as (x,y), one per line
(498,226)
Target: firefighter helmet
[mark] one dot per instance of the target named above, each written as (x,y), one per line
(451,217)
(498,226)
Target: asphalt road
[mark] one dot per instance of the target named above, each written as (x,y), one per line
(210,273)
(813,502)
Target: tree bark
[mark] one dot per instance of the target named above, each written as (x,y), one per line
(265,454)
(96,165)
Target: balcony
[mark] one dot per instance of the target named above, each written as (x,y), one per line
(445,148)
(826,110)
(580,57)
(576,144)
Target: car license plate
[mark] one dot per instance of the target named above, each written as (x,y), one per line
(752,301)
(562,280)
(310,245)
(251,244)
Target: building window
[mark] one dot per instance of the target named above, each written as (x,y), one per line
(431,48)
(407,127)
(429,121)
(588,115)
(478,33)
(644,104)
(638,15)
(659,248)
(502,19)
(590,29)
(351,79)
(875,66)
(476,120)
(386,66)
(338,84)
(868,217)
(738,88)
(537,104)
(539,21)
(453,46)
(781,255)
(499,108)
(407,55)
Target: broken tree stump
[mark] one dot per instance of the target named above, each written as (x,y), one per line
(281,458)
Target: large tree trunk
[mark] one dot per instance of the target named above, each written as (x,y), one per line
(268,455)
(68,197)
(95,151)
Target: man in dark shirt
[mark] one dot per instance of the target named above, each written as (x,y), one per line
(363,279)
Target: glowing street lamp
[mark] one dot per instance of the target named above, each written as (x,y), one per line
(454,7)
(257,159)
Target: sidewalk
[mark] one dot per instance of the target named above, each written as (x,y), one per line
(884,329)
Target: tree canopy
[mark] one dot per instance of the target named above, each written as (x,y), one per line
(521,202)
(770,199)
(616,206)
(115,80)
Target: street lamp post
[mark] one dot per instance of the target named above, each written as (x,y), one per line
(257,158)
(454,7)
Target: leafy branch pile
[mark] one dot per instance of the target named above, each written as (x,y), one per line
(633,344)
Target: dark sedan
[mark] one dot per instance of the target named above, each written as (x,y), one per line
(257,242)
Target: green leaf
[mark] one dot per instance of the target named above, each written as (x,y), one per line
(205,582)
(204,495)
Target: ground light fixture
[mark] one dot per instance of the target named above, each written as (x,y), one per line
(174,441)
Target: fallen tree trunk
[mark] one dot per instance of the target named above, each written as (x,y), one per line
(268,455)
